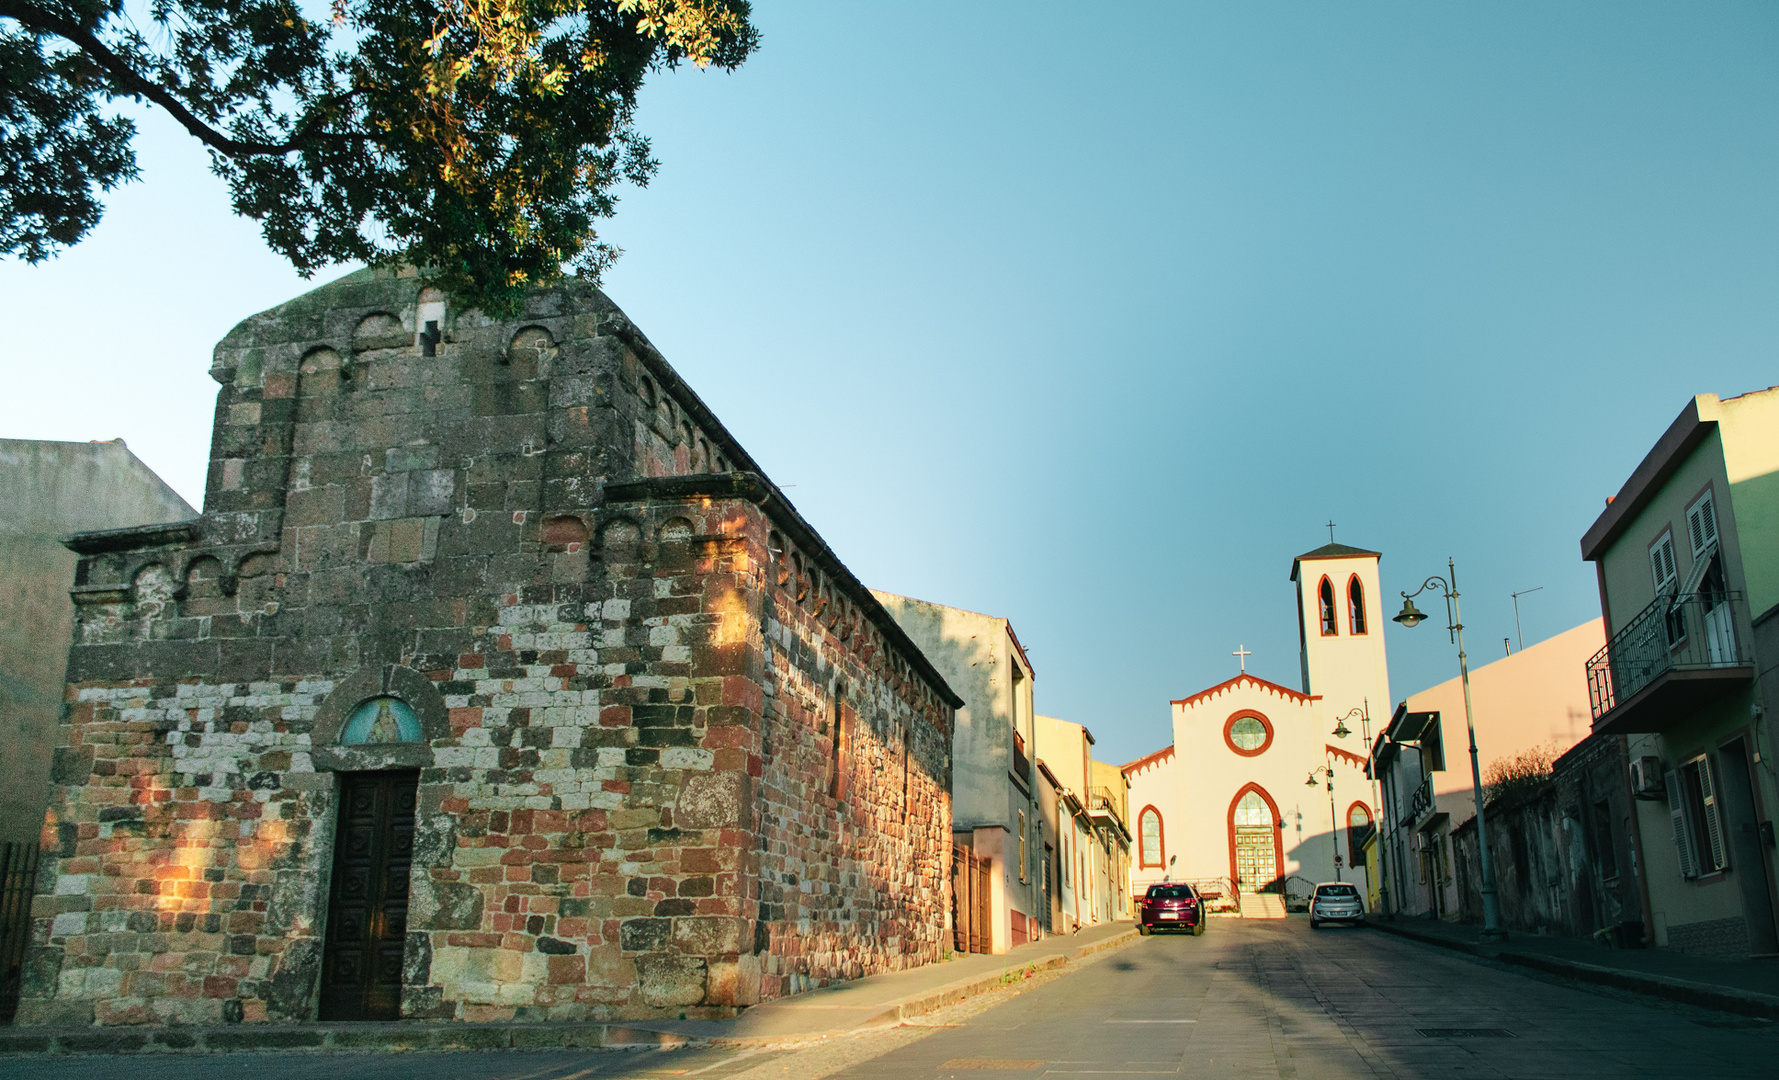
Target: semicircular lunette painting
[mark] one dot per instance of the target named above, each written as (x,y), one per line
(381,720)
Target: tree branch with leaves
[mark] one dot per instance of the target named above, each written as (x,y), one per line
(477,139)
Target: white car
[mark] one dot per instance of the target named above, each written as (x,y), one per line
(1336,901)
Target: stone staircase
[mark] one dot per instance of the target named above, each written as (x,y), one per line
(1263,906)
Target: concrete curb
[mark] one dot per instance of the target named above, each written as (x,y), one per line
(907,1008)
(1684,991)
(421,1036)
(396,1037)
(932,1000)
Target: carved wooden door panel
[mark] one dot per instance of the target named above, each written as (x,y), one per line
(367,917)
(1255,864)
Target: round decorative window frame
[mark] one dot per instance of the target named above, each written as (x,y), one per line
(1243,714)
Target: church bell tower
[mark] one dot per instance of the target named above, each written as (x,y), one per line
(1340,629)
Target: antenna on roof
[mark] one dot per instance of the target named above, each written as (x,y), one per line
(1516,613)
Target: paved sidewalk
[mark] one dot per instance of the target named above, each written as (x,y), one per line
(896,996)
(863,1003)
(1746,987)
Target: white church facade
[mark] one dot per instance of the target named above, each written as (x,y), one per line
(1256,790)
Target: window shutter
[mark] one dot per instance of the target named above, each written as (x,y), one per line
(1661,563)
(1701,524)
(1683,836)
(1718,856)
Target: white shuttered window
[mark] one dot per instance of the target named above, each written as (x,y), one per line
(1715,853)
(1683,830)
(1699,833)
(1661,562)
(1701,523)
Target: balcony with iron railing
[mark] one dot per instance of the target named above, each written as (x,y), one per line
(1673,658)
(1101,803)
(1022,765)
(1421,803)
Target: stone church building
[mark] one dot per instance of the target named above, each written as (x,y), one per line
(1231,800)
(494,682)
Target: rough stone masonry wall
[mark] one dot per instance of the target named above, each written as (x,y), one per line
(847,870)
(855,874)
(531,535)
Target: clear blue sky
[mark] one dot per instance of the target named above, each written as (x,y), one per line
(1090,315)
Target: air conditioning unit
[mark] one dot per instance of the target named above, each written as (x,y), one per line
(1646,778)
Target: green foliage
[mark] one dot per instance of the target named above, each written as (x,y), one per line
(1518,775)
(55,147)
(477,139)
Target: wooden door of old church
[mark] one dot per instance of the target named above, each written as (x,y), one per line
(1254,857)
(1256,844)
(367,918)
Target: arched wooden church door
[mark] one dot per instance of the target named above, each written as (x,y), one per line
(1254,842)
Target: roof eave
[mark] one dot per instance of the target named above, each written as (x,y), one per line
(1323,553)
(1683,436)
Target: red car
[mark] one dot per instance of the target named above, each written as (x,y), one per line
(1171,906)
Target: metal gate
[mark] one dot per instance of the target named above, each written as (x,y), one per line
(18,881)
(970,904)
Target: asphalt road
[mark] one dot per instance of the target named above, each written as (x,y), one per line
(1248,999)
(1277,999)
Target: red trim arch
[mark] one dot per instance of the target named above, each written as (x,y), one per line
(1278,847)
(1327,615)
(1358,623)
(1240,714)
(1353,856)
(1143,862)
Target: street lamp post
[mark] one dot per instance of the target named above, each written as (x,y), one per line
(1341,731)
(1333,821)
(1410,617)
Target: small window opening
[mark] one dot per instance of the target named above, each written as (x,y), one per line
(840,735)
(1022,855)
(1355,606)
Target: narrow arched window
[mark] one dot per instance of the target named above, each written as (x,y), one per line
(1355,606)
(1358,833)
(1326,603)
(1149,829)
